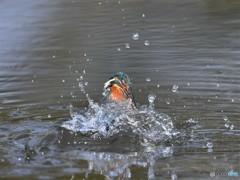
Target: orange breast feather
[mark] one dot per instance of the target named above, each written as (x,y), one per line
(117,94)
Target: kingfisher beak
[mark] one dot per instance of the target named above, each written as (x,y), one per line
(108,84)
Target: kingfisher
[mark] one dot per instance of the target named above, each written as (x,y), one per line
(118,89)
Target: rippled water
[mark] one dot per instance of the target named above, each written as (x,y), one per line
(186,53)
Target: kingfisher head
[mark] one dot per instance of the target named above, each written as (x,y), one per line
(118,88)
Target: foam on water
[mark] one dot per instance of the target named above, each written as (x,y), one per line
(111,119)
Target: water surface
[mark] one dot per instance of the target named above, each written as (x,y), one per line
(187,54)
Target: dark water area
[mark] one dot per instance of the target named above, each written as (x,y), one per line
(53,53)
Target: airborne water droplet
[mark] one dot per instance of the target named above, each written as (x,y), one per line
(148,79)
(227,125)
(209,144)
(175,88)
(168,101)
(127,45)
(146,42)
(135,36)
(151,98)
(225,118)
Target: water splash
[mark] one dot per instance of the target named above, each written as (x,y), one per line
(144,123)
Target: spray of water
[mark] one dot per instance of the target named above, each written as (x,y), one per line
(111,119)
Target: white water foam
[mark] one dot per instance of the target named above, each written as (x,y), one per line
(113,118)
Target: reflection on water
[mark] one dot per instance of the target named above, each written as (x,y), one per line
(115,165)
(185,55)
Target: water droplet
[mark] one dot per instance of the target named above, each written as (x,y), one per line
(225,118)
(61,96)
(80,84)
(218,85)
(151,98)
(19,159)
(188,84)
(63,81)
(227,125)
(49,116)
(143,15)
(209,144)
(232,100)
(146,42)
(86,83)
(81,77)
(168,101)
(127,45)
(84,71)
(135,36)
(232,127)
(53,56)
(175,88)
(119,49)
(158,85)
(32,80)
(148,79)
